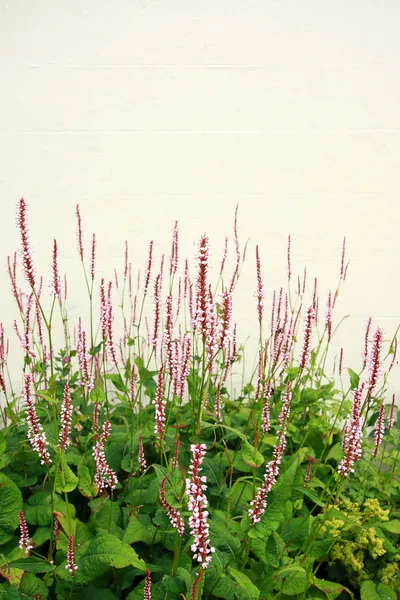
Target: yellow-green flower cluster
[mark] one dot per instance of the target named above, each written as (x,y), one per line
(389,574)
(367,538)
(350,555)
(373,509)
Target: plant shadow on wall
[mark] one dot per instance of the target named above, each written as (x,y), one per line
(130,470)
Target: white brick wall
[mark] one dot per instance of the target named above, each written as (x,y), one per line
(146,111)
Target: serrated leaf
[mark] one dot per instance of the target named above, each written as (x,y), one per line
(222,539)
(10,505)
(251,456)
(103,553)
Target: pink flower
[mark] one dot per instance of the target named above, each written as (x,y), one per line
(328,319)
(147,586)
(157,315)
(105,476)
(93,257)
(84,358)
(259,503)
(218,404)
(160,407)
(148,268)
(365,350)
(66,419)
(226,320)
(24,541)
(260,288)
(380,429)
(173,514)
(26,251)
(306,353)
(266,422)
(132,387)
(174,251)
(142,460)
(55,282)
(351,443)
(71,566)
(375,361)
(197,505)
(79,232)
(169,324)
(36,435)
(289,258)
(202,288)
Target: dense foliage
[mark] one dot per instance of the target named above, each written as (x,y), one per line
(130,469)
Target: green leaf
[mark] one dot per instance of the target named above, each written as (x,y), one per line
(294,580)
(251,456)
(10,505)
(391,526)
(386,592)
(307,492)
(37,510)
(335,453)
(140,529)
(331,589)
(245,582)
(32,564)
(103,553)
(2,443)
(117,381)
(85,483)
(33,587)
(221,538)
(238,433)
(368,591)
(66,480)
(354,379)
(274,549)
(90,592)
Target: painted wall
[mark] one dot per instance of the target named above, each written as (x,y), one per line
(147,111)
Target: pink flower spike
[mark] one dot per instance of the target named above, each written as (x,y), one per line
(375,361)
(79,232)
(26,251)
(160,404)
(226,320)
(55,282)
(380,429)
(366,340)
(157,312)
(289,258)
(148,268)
(105,476)
(142,460)
(224,257)
(147,586)
(24,541)
(66,419)
(71,566)
(174,250)
(173,514)
(260,294)
(266,419)
(342,267)
(306,353)
(93,257)
(351,443)
(36,435)
(218,404)
(197,505)
(328,319)
(202,288)
(341,362)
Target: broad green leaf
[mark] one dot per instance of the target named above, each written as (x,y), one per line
(238,433)
(212,470)
(251,456)
(244,582)
(391,526)
(368,591)
(116,379)
(32,564)
(274,549)
(307,492)
(294,580)
(386,592)
(157,592)
(85,483)
(66,480)
(330,588)
(103,553)
(10,505)
(90,592)
(336,453)
(221,538)
(37,510)
(2,443)
(319,548)
(140,529)
(354,379)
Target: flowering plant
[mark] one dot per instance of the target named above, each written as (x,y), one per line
(131,468)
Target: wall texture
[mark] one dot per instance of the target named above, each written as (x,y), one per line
(147,111)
